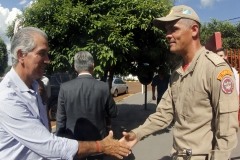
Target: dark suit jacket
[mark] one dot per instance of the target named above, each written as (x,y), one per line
(83,105)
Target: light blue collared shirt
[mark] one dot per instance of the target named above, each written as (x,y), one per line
(24,126)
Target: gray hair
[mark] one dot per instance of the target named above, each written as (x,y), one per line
(83,61)
(23,40)
(189,22)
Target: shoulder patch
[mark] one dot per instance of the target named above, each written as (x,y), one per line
(227,85)
(223,73)
(214,58)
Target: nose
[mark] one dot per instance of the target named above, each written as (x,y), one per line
(168,35)
(47,60)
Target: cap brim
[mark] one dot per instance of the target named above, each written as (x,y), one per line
(160,22)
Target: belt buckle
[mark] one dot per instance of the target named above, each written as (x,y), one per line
(186,154)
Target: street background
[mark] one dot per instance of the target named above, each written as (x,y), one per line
(133,86)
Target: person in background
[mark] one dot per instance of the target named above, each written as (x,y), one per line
(161,82)
(84,103)
(47,86)
(43,93)
(24,125)
(223,54)
(201,97)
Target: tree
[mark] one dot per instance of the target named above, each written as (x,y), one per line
(3,57)
(117,33)
(229,32)
(7,69)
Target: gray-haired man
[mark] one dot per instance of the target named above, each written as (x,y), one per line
(24,125)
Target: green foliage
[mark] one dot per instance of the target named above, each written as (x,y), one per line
(10,29)
(7,69)
(3,57)
(116,32)
(229,32)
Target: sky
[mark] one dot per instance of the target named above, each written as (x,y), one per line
(221,10)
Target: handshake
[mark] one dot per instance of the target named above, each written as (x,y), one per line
(109,146)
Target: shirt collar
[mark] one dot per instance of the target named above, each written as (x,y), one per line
(192,64)
(21,85)
(84,74)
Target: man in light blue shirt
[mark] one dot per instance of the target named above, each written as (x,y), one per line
(24,125)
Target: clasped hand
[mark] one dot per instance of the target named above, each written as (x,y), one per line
(113,147)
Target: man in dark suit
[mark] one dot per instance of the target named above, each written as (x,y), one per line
(84,104)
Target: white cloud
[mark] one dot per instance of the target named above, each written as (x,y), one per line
(6,18)
(30,3)
(23,2)
(182,1)
(207,3)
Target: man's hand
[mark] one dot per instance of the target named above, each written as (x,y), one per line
(153,97)
(129,138)
(112,147)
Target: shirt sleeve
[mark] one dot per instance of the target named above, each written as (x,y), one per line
(225,106)
(26,128)
(158,120)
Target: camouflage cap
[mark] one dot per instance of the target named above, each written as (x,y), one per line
(177,12)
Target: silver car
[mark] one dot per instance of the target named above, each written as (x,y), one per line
(118,87)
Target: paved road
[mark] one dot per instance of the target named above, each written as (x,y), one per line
(132,113)
(133,88)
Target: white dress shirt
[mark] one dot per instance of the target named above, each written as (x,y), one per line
(24,131)
(235,72)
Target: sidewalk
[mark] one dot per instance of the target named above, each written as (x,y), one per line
(157,146)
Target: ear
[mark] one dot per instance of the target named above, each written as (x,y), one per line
(92,71)
(195,30)
(75,69)
(20,56)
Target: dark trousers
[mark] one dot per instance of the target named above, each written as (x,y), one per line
(97,157)
(158,100)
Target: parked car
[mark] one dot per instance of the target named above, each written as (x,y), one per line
(118,87)
(55,82)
